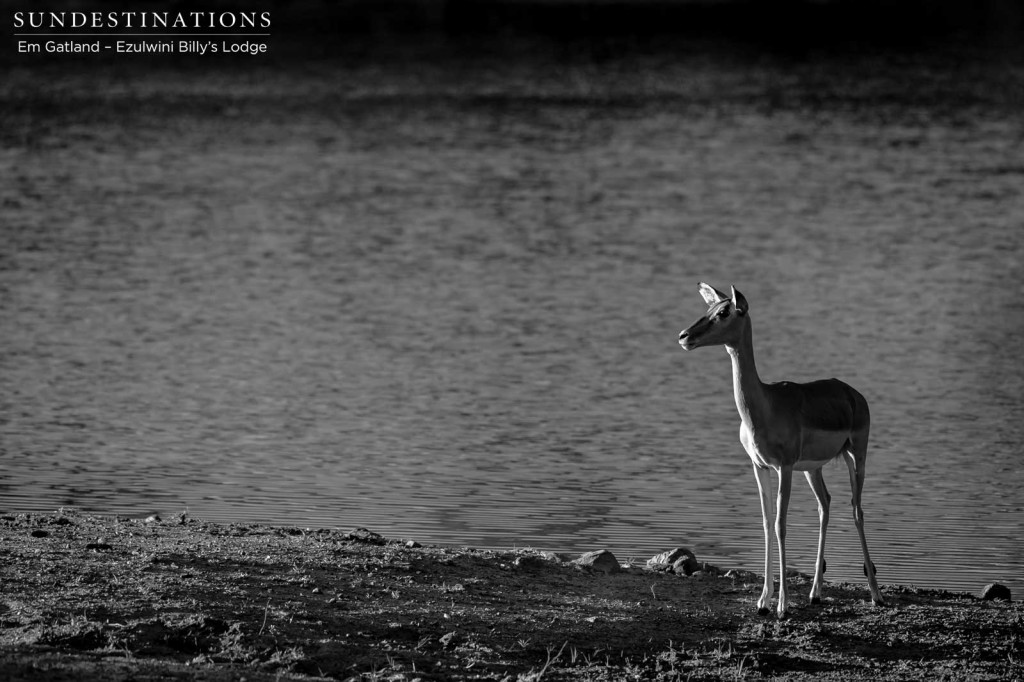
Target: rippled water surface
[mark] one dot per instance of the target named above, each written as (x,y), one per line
(441,299)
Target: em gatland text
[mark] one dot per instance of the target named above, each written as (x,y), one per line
(136,32)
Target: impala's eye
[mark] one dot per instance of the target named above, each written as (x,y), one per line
(723,313)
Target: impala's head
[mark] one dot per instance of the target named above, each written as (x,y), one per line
(723,324)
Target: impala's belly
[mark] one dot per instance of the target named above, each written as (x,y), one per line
(809,450)
(819,447)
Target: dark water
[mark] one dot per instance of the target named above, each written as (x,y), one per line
(440,299)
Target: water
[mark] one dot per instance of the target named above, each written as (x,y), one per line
(441,299)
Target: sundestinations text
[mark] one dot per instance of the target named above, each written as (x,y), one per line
(142,20)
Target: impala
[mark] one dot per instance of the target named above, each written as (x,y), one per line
(788,427)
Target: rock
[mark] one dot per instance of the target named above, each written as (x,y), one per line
(679,560)
(996,591)
(448,639)
(602,560)
(364,535)
(686,565)
(40,534)
(656,565)
(552,556)
(671,556)
(412,544)
(152,518)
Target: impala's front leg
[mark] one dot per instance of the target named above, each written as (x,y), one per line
(764,482)
(785,488)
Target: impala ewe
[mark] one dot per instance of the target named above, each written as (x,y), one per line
(788,427)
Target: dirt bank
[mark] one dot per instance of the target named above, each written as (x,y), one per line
(181,598)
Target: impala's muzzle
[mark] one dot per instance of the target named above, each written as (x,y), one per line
(689,338)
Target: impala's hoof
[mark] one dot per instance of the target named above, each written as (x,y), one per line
(763,611)
(879,602)
(783,615)
(815,600)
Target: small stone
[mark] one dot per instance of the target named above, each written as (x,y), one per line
(601,560)
(412,544)
(448,639)
(152,518)
(996,591)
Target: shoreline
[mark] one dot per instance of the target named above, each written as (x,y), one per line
(113,598)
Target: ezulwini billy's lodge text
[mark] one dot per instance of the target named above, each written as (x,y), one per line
(197,47)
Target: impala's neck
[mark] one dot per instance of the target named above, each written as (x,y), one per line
(746,385)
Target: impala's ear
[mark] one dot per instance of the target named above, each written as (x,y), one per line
(711,295)
(739,302)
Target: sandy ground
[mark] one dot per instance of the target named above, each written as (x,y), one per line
(180,598)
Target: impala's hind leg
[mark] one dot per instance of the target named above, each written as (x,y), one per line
(817,481)
(856,458)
